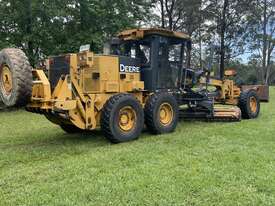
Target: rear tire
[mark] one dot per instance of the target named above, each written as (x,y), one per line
(122,118)
(249,104)
(15,78)
(161,113)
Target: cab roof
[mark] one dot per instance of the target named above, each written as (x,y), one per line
(136,34)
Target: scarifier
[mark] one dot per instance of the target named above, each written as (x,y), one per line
(143,78)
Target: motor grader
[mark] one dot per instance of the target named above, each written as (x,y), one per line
(143,78)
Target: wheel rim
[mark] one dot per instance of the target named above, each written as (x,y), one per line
(6,79)
(166,114)
(127,119)
(253,104)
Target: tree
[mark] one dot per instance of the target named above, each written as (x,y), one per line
(179,15)
(226,28)
(262,36)
(51,27)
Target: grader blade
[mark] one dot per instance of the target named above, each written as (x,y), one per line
(228,114)
(220,113)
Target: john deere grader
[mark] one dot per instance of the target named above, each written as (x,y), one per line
(143,78)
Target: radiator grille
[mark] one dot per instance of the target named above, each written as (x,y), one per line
(58,67)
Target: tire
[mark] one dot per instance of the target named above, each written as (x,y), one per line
(249,110)
(122,118)
(157,104)
(15,78)
(71,129)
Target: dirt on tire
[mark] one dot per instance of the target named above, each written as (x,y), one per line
(16,64)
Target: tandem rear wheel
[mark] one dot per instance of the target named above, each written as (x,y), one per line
(122,118)
(161,113)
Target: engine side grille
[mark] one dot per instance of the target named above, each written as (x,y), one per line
(58,66)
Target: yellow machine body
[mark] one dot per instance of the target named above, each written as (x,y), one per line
(143,78)
(93,79)
(81,95)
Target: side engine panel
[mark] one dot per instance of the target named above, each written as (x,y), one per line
(109,74)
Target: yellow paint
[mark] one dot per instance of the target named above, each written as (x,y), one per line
(253,104)
(127,119)
(166,114)
(93,80)
(6,79)
(41,89)
(229,92)
(135,34)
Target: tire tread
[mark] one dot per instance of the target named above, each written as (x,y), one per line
(243,104)
(106,116)
(22,72)
(150,118)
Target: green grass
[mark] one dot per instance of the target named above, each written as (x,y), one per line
(200,164)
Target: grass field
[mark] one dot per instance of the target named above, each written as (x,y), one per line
(200,164)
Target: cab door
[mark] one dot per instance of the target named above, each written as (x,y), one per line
(170,63)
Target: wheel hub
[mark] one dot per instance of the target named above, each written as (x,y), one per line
(124,119)
(127,119)
(6,79)
(166,114)
(253,104)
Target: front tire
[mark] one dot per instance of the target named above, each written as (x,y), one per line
(161,113)
(122,118)
(249,104)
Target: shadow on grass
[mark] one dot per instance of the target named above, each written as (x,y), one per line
(95,136)
(55,137)
(9,110)
(51,146)
(94,139)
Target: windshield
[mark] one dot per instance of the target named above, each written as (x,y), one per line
(134,49)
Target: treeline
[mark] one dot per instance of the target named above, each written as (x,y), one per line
(49,27)
(227,33)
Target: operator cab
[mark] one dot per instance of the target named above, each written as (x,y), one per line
(161,54)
